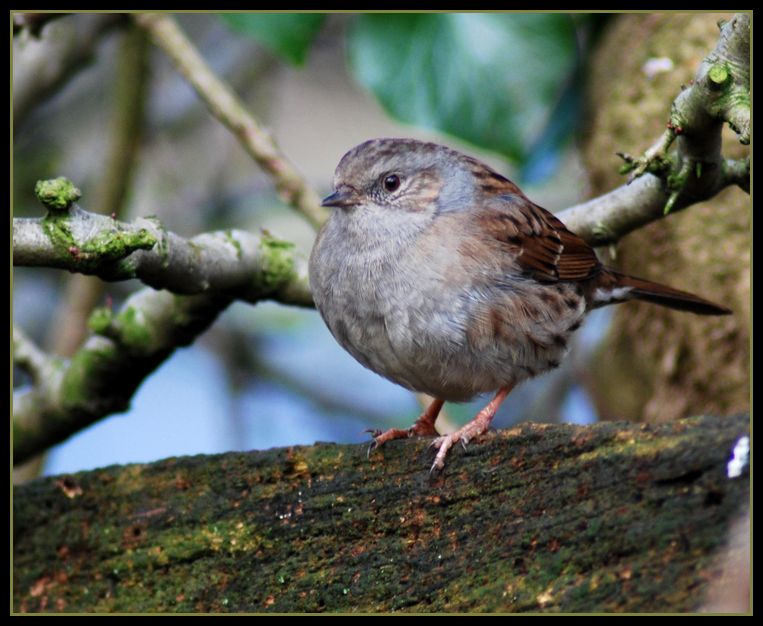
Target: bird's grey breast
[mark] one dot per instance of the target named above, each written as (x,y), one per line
(380,306)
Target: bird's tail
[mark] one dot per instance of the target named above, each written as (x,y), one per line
(612,286)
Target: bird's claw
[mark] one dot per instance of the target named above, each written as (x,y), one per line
(371,447)
(374,432)
(443,444)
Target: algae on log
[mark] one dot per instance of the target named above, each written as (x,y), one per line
(610,517)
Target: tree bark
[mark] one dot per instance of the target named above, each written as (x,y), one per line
(610,517)
(658,365)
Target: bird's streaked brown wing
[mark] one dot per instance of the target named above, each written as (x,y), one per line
(545,248)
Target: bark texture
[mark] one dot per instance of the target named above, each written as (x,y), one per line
(658,365)
(611,517)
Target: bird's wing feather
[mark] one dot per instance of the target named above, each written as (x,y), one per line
(545,248)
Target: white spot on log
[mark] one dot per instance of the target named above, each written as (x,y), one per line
(740,458)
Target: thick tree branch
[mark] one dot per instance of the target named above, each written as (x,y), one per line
(606,219)
(233,263)
(612,517)
(224,105)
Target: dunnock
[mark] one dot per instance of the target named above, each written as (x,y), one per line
(439,274)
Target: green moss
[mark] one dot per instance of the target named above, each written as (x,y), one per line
(323,529)
(127,268)
(642,447)
(57,194)
(278,263)
(57,229)
(114,245)
(75,388)
(100,320)
(107,246)
(718,74)
(134,331)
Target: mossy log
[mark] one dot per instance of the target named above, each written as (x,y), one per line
(610,517)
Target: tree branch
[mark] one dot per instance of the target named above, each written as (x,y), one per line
(224,105)
(606,219)
(660,183)
(720,93)
(102,376)
(233,263)
(104,373)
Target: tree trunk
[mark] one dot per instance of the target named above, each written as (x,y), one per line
(657,364)
(611,517)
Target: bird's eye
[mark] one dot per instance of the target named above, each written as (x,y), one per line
(391,182)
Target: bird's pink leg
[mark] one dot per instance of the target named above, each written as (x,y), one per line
(423,427)
(469,431)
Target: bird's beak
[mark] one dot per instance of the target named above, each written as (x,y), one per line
(342,197)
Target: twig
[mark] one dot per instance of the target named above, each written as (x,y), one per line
(228,109)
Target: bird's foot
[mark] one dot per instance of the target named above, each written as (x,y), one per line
(423,427)
(465,434)
(419,429)
(469,431)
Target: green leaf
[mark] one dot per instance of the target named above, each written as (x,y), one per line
(289,35)
(491,79)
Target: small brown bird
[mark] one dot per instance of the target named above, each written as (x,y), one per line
(439,274)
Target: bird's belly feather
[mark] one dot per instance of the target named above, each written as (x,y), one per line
(478,341)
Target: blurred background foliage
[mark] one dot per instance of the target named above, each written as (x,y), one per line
(502,82)
(95,102)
